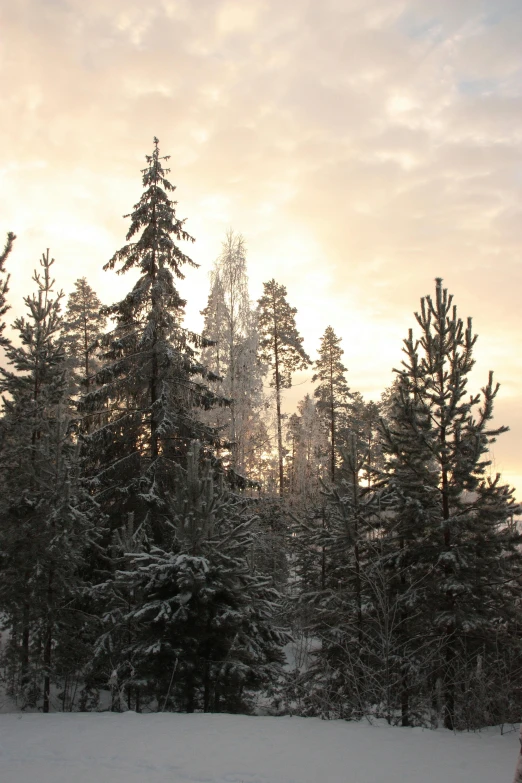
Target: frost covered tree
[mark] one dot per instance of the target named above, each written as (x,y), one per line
(150,383)
(215,355)
(46,516)
(234,281)
(191,624)
(332,392)
(450,532)
(231,325)
(281,348)
(308,447)
(83,325)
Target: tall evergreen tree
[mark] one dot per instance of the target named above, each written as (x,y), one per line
(450,533)
(281,348)
(46,518)
(150,383)
(332,393)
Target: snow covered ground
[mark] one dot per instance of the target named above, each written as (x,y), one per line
(167,748)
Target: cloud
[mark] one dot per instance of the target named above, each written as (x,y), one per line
(363,147)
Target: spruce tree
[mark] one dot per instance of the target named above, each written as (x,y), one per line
(281,348)
(191,624)
(332,393)
(46,517)
(83,325)
(150,382)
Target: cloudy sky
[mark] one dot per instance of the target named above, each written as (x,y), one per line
(362,147)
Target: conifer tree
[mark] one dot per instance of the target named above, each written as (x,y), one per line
(215,356)
(83,325)
(46,517)
(281,348)
(150,383)
(191,624)
(4,283)
(450,533)
(332,393)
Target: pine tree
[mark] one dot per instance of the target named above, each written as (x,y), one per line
(46,518)
(332,393)
(281,348)
(450,533)
(150,382)
(83,325)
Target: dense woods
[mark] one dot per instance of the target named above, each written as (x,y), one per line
(171,540)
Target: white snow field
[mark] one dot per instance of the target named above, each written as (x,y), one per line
(172,748)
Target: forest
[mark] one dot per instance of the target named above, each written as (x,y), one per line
(172,540)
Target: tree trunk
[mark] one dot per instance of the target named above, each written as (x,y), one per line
(48,645)
(25,645)
(190,693)
(332,424)
(449,684)
(405,699)
(518,771)
(278,414)
(47,667)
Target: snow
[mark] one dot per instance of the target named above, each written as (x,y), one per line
(161,748)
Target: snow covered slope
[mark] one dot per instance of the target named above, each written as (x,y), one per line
(167,748)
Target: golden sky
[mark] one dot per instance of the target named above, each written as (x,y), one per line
(362,147)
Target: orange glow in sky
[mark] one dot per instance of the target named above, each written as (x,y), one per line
(362,147)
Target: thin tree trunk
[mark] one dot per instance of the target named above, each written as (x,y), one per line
(48,646)
(47,667)
(332,423)
(518,771)
(405,699)
(449,685)
(323,557)
(25,644)
(356,551)
(278,413)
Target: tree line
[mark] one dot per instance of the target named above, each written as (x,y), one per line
(171,540)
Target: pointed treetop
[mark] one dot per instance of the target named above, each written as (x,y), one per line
(154,218)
